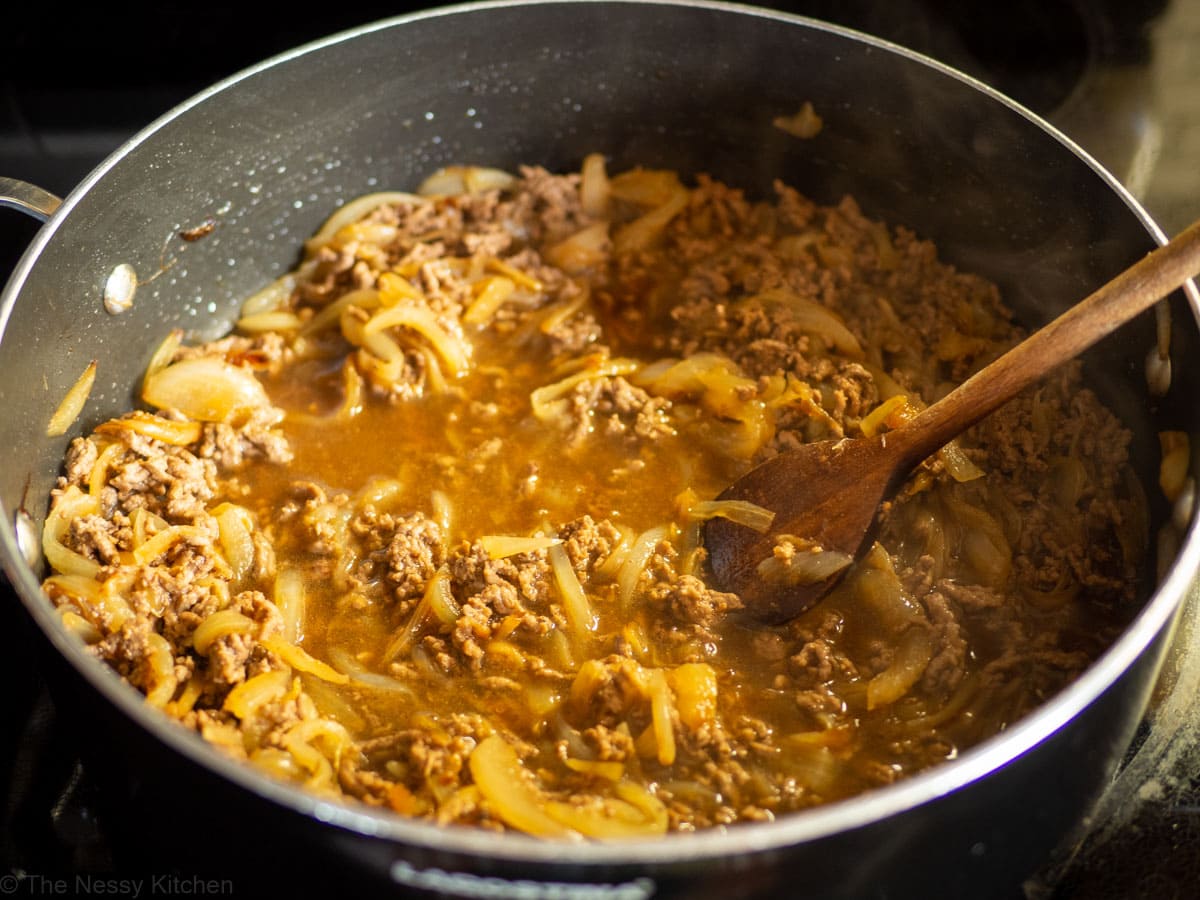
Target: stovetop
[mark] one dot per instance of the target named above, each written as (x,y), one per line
(1122,78)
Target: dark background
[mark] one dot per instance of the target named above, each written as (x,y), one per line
(76,82)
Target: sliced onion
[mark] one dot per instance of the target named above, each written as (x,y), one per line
(805,565)
(165,540)
(958,464)
(642,231)
(363,677)
(559,313)
(186,701)
(79,626)
(176,432)
(912,656)
(164,353)
(491,292)
(636,561)
(742,512)
(356,209)
(98,476)
(518,277)
(453,349)
(245,699)
(695,687)
(299,739)
(107,611)
(1176,460)
(715,379)
(272,298)
(661,705)
(205,389)
(580,616)
(816,768)
(880,589)
(610,567)
(72,403)
(651,807)
(887,414)
(160,663)
(437,600)
(443,510)
(236,526)
(441,600)
(804,124)
(812,316)
(645,187)
(541,398)
(502,546)
(276,762)
(221,623)
(364,299)
(303,661)
(69,504)
(464,180)
(379,343)
(585,249)
(606,819)
(332,702)
(394,288)
(280,320)
(290,599)
(505,785)
(593,186)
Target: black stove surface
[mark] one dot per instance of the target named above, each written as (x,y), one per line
(72,91)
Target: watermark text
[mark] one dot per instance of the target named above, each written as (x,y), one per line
(32,884)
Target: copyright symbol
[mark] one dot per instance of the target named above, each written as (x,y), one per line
(9,884)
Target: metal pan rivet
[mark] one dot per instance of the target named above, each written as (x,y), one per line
(27,539)
(119,289)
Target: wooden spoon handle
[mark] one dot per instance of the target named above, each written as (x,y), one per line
(1133,291)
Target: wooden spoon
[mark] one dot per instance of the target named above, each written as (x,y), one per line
(828,494)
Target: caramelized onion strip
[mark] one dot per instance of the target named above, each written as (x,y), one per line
(72,403)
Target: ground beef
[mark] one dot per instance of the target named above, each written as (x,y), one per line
(415,551)
(490,590)
(818,662)
(99,538)
(550,204)
(422,757)
(588,542)
(169,481)
(321,519)
(609,744)
(230,447)
(614,407)
(81,457)
(949,663)
(615,694)
(692,602)
(265,351)
(236,657)
(575,335)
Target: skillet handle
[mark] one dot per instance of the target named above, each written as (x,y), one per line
(28,198)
